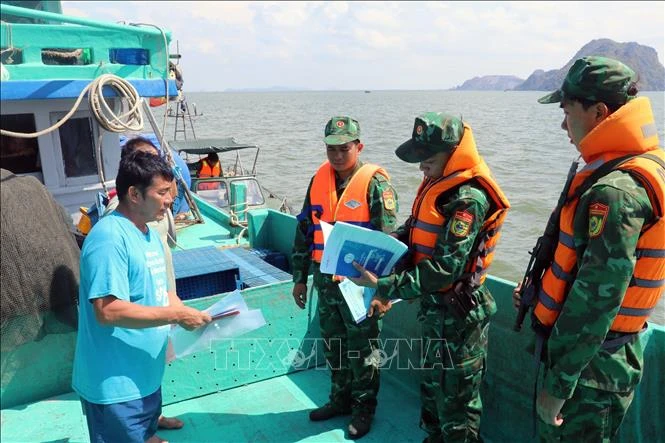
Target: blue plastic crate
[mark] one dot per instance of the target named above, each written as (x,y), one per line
(276,259)
(202,272)
(207,284)
(254,271)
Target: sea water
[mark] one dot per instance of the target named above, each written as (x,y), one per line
(520,139)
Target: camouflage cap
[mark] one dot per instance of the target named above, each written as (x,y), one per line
(433,132)
(340,130)
(595,78)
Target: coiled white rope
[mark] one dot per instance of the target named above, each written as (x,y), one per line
(131,120)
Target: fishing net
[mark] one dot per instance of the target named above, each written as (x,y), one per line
(39,278)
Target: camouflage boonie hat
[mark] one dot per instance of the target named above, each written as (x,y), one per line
(433,132)
(341,130)
(598,79)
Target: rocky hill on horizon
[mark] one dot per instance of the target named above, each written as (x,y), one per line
(490,83)
(643,59)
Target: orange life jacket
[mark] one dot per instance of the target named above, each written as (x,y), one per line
(352,206)
(207,186)
(627,127)
(464,165)
(156,101)
(207,170)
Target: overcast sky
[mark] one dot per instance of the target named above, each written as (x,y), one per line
(379,45)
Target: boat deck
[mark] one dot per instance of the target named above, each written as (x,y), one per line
(209,233)
(260,387)
(271,410)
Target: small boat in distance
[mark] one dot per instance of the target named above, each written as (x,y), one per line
(223,191)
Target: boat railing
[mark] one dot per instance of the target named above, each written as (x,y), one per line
(30,51)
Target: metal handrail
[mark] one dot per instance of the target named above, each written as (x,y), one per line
(60,18)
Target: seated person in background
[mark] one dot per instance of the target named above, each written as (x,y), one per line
(209,167)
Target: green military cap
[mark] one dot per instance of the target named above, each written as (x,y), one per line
(433,132)
(341,130)
(595,78)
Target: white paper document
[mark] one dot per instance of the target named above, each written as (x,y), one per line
(231,318)
(375,251)
(358,298)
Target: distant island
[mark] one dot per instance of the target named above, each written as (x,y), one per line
(268,89)
(643,59)
(490,83)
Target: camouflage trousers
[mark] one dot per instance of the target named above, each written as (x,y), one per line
(349,348)
(453,367)
(591,415)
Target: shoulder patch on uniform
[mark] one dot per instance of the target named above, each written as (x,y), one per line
(352,204)
(461,224)
(389,200)
(597,217)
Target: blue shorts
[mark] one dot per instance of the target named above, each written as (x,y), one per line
(130,421)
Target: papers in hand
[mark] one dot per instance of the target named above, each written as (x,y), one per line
(227,313)
(375,251)
(230,318)
(345,243)
(358,298)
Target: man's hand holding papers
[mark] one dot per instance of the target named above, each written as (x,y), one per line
(368,280)
(230,316)
(348,250)
(373,250)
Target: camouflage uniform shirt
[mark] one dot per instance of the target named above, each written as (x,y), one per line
(451,252)
(380,218)
(606,262)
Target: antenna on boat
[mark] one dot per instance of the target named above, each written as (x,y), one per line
(182,112)
(180,103)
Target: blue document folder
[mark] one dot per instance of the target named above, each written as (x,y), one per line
(375,251)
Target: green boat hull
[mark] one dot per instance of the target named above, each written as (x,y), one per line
(260,386)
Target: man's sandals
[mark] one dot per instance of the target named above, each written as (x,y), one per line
(169,423)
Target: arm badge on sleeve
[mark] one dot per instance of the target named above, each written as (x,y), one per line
(389,200)
(461,224)
(597,217)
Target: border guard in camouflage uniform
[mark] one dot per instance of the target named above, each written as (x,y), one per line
(343,189)
(608,267)
(452,232)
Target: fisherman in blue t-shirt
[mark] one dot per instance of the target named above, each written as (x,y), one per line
(126,307)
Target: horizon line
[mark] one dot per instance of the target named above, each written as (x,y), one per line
(231,90)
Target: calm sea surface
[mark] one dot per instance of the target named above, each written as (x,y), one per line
(520,140)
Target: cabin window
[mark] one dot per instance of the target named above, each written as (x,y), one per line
(13,56)
(66,56)
(19,155)
(254,194)
(214,192)
(76,143)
